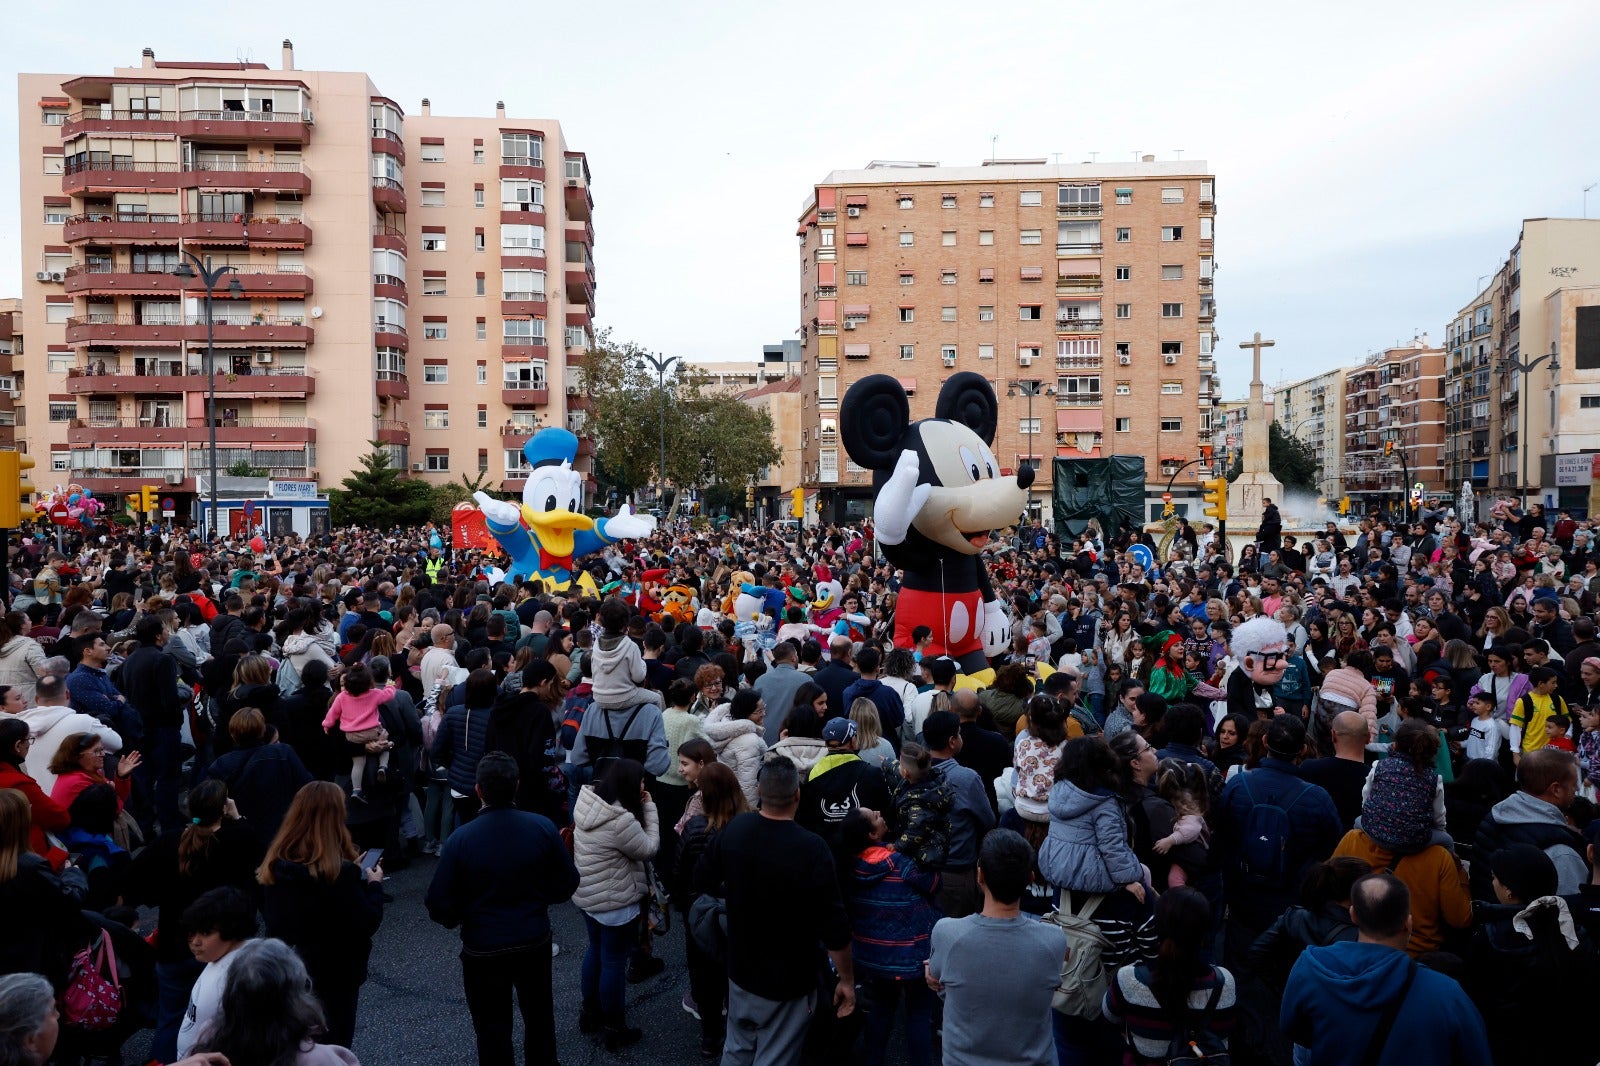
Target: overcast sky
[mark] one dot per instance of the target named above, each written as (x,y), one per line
(1372,159)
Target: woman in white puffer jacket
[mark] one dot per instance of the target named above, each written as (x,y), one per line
(737,732)
(615,832)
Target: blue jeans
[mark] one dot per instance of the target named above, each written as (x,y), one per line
(883,997)
(174,981)
(605,966)
(161,772)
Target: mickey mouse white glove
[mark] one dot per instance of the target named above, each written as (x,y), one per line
(900,499)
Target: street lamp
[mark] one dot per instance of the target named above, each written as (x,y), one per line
(1525,369)
(210,277)
(1029,387)
(661,365)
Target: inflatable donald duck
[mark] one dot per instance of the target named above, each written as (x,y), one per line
(547,534)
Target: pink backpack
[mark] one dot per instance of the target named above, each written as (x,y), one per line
(93,997)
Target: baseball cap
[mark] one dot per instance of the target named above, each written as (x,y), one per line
(839,731)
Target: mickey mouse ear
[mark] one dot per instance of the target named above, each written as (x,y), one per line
(967,398)
(873,421)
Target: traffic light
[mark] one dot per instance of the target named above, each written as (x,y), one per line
(1388,448)
(750,498)
(797,503)
(1216,498)
(1344,505)
(15,488)
(147,498)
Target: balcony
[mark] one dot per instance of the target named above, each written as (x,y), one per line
(524,394)
(212,229)
(1078,325)
(1079,210)
(519,304)
(122,280)
(393,432)
(390,335)
(392,237)
(1083,285)
(578,315)
(125,380)
(272,126)
(1079,249)
(388,142)
(115,174)
(389,286)
(522,168)
(580,281)
(524,348)
(1078,362)
(389,194)
(392,385)
(259,330)
(116,480)
(111,432)
(516,434)
(1080,399)
(579,201)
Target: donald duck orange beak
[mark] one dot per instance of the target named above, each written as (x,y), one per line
(555,528)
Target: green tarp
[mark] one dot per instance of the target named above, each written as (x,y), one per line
(1110,490)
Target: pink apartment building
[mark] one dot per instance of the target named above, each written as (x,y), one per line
(419,281)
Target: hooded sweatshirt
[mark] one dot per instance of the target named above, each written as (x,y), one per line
(1524,819)
(617,668)
(49,726)
(1336,996)
(1087,848)
(839,782)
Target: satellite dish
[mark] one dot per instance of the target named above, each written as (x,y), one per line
(316,312)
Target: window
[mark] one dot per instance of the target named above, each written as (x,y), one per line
(523,331)
(479,244)
(947,277)
(947,314)
(1124,311)
(1028,353)
(483,374)
(1205,228)
(907,203)
(1124,234)
(985,351)
(857,277)
(1172,272)
(58,362)
(480,286)
(825,237)
(56,214)
(907,239)
(53,163)
(60,461)
(433,153)
(483,417)
(482,332)
(1124,425)
(985,199)
(1171,310)
(986,237)
(1125,273)
(1027,426)
(63,410)
(436,419)
(1172,195)
(521,150)
(483,453)
(947,238)
(1172,425)
(521,284)
(517,236)
(908,314)
(1172,233)
(437,461)
(435,374)
(477,153)
(57,313)
(477,196)
(1171,347)
(1030,313)
(947,352)
(518,194)
(53,116)
(433,242)
(1087,385)
(1172,388)
(1124,196)
(1031,236)
(986,313)
(908,351)
(907,277)
(436,331)
(1124,389)
(1031,198)
(947,201)
(1588,401)
(433,284)
(432,197)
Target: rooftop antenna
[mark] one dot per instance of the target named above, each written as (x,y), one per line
(993,146)
(1058,157)
(1136,153)
(1586,189)
(243,56)
(1093,157)
(1178,152)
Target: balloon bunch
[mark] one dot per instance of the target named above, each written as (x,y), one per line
(79,503)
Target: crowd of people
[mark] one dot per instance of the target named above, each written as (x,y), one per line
(1329,801)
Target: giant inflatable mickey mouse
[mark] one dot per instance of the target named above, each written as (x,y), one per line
(940,496)
(547,533)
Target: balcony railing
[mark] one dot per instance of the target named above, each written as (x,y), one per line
(522,160)
(1075,249)
(1078,362)
(381,134)
(1079,325)
(536,385)
(389,327)
(1080,210)
(235,166)
(247,422)
(219,319)
(388,183)
(388,279)
(1080,399)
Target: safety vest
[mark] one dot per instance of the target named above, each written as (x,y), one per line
(433,567)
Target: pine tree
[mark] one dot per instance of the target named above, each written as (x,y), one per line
(377,496)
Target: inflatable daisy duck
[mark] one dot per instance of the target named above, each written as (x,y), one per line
(547,534)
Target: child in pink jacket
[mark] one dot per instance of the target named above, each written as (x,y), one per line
(355,711)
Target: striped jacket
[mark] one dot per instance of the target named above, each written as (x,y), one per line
(889,900)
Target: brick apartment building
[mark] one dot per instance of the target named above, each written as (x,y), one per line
(1088,286)
(1395,396)
(404,279)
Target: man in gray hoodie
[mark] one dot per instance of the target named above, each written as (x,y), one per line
(1547,783)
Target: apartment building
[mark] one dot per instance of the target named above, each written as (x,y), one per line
(360,243)
(734,376)
(1084,293)
(11,347)
(780,398)
(1394,424)
(1311,409)
(1541,302)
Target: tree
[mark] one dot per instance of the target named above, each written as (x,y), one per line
(242,468)
(1291,460)
(461,490)
(378,496)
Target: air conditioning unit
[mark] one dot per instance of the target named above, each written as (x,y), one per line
(573,182)
(849,325)
(1171,360)
(1125,360)
(43,275)
(853,212)
(416,468)
(310,118)
(1024,359)
(57,275)
(948,361)
(174,479)
(574,390)
(264,358)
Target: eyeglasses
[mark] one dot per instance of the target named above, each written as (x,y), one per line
(1270,659)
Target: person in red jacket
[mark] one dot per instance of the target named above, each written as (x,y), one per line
(81,762)
(48,816)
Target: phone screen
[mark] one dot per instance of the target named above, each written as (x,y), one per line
(1386,686)
(371,858)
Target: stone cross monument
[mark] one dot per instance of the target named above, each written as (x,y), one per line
(1255,483)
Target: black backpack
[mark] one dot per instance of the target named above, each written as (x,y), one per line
(607,749)
(1194,1042)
